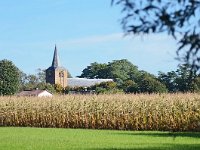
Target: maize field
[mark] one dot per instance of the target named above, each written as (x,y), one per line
(163,112)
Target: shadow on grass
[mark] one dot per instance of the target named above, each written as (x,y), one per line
(159,147)
(164,134)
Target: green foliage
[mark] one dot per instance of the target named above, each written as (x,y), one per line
(178,18)
(67,89)
(95,71)
(9,78)
(129,86)
(41,75)
(106,88)
(119,70)
(122,70)
(169,80)
(32,81)
(127,78)
(77,90)
(58,88)
(46,86)
(148,84)
(181,80)
(196,84)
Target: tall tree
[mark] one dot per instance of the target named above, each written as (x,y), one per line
(126,75)
(178,18)
(9,78)
(181,80)
(119,70)
(95,71)
(147,83)
(169,80)
(41,75)
(122,70)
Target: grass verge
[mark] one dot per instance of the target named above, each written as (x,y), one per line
(62,139)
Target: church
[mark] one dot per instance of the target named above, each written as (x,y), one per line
(56,74)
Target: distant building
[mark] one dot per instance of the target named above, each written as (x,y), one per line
(56,74)
(83,82)
(35,93)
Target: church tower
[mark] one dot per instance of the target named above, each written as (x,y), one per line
(56,74)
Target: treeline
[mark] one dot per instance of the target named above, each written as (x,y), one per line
(127,78)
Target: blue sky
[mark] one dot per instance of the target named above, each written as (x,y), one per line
(84,32)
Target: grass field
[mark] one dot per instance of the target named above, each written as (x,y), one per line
(62,139)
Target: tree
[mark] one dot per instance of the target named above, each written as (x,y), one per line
(129,86)
(196,84)
(118,70)
(46,86)
(22,80)
(122,70)
(179,18)
(41,75)
(9,78)
(106,88)
(95,71)
(181,80)
(148,83)
(59,89)
(126,77)
(168,80)
(31,82)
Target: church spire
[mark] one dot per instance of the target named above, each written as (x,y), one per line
(56,61)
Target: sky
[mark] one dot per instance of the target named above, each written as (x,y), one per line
(84,31)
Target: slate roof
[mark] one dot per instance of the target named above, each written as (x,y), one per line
(56,61)
(83,82)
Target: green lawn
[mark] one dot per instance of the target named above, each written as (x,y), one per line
(62,139)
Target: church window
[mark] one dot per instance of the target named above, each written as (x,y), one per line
(61,74)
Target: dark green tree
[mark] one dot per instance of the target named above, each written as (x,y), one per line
(185,78)
(126,75)
(181,80)
(118,70)
(106,88)
(95,71)
(169,80)
(148,83)
(196,84)
(9,78)
(122,70)
(129,86)
(178,18)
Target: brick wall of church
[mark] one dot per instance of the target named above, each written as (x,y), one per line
(57,76)
(61,77)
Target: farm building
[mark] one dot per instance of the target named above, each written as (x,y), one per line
(56,74)
(35,93)
(83,82)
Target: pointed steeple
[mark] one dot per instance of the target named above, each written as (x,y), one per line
(56,61)
(56,74)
